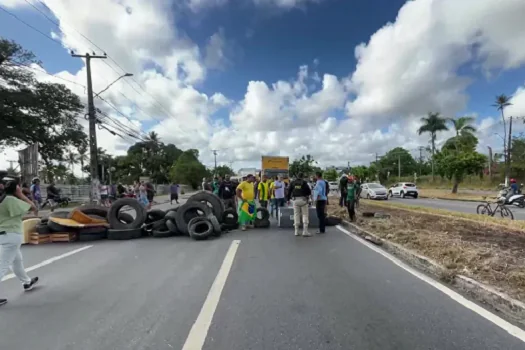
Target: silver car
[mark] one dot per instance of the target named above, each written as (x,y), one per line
(373,191)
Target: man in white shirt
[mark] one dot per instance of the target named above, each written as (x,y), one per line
(278,188)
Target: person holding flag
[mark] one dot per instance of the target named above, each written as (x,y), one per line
(246,195)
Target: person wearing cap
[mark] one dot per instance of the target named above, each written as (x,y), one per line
(351,192)
(246,196)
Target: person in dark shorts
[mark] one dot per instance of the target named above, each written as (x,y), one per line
(150,193)
(227,192)
(174,193)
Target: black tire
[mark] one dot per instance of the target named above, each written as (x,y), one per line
(89,238)
(125,234)
(97,210)
(43,229)
(171,215)
(163,233)
(265,214)
(216,225)
(172,227)
(230,217)
(172,209)
(97,217)
(483,209)
(229,227)
(55,227)
(188,211)
(97,230)
(217,205)
(125,218)
(415,196)
(333,221)
(157,225)
(261,223)
(505,212)
(156,214)
(138,221)
(200,229)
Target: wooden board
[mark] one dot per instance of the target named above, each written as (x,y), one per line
(63,237)
(35,238)
(29,227)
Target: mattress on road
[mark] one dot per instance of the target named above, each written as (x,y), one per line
(285,218)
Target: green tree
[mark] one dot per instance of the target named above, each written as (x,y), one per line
(305,165)
(361,171)
(518,157)
(456,165)
(432,124)
(34,112)
(188,169)
(330,175)
(223,170)
(392,160)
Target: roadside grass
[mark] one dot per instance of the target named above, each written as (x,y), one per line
(488,250)
(447,194)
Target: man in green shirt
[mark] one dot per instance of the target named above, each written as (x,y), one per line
(351,193)
(12,208)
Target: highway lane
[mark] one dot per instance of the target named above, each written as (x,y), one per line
(283,292)
(460,206)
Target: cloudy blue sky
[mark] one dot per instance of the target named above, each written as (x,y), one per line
(338,79)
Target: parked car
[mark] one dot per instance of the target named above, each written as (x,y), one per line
(403,189)
(373,191)
(334,186)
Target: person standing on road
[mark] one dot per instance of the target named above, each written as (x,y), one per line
(351,191)
(104,195)
(174,193)
(227,192)
(36,195)
(150,193)
(300,193)
(320,199)
(343,183)
(52,195)
(264,191)
(12,209)
(246,197)
(358,191)
(279,193)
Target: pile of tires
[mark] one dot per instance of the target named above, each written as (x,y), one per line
(130,227)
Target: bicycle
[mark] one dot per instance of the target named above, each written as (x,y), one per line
(486,209)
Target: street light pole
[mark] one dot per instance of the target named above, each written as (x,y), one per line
(107,87)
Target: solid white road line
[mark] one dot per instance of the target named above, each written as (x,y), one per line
(199,330)
(49,261)
(498,321)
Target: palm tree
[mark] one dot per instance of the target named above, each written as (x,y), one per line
(501,102)
(463,128)
(82,157)
(72,159)
(432,124)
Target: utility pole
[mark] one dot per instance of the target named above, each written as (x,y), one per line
(11,164)
(490,161)
(399,166)
(215,156)
(93,149)
(421,148)
(507,163)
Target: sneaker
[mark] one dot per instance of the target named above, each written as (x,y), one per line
(297,234)
(3,302)
(30,285)
(319,232)
(306,234)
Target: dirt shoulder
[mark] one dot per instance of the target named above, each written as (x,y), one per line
(491,252)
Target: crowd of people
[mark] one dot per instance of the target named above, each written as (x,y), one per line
(274,193)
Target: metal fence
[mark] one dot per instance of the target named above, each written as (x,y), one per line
(80,193)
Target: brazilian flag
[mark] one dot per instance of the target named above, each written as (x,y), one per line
(247,212)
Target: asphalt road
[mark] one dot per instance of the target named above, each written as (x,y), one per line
(460,206)
(282,293)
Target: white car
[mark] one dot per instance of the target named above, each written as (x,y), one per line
(373,191)
(403,189)
(334,186)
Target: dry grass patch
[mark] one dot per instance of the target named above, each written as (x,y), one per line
(446,194)
(485,251)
